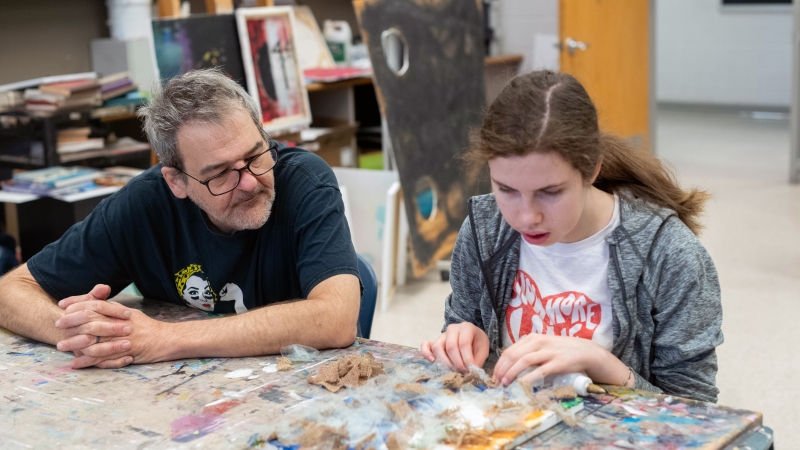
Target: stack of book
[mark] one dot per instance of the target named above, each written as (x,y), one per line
(53,181)
(117,176)
(116,85)
(329,75)
(120,106)
(121,146)
(60,96)
(77,140)
(11,100)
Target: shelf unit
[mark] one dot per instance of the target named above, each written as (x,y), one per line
(29,141)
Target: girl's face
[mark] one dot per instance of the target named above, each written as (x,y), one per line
(540,195)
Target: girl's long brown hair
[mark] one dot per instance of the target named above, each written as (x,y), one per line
(545,111)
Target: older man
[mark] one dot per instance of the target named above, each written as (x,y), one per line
(229,222)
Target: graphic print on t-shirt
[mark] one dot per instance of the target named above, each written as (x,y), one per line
(194,288)
(232,293)
(564,314)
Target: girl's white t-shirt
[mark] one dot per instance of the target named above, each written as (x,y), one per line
(562,290)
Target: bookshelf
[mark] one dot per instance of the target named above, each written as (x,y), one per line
(29,142)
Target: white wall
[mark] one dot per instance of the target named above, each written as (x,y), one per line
(732,55)
(519,23)
(705,53)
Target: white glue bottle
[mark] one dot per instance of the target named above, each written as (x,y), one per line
(578,381)
(339,38)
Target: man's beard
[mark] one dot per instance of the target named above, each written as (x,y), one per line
(237,218)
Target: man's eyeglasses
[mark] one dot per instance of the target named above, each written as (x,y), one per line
(229,180)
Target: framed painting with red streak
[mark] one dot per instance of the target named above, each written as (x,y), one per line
(271,67)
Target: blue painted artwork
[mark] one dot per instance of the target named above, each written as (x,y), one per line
(198,42)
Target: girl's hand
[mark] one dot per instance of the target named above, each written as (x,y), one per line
(461,345)
(553,355)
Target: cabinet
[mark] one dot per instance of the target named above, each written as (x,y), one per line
(37,221)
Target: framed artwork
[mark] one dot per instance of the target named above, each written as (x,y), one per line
(272,69)
(198,42)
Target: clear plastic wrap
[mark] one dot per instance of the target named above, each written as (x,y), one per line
(299,353)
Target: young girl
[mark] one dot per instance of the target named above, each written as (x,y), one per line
(583,259)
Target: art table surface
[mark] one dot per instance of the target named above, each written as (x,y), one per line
(228,403)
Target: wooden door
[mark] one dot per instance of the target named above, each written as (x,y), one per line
(606,45)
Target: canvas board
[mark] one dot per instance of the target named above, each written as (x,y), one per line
(312,51)
(198,42)
(366,192)
(272,68)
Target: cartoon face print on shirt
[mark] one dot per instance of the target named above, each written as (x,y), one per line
(232,293)
(194,288)
(565,314)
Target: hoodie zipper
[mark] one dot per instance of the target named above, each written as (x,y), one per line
(613,249)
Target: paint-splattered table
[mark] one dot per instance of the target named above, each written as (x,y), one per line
(228,403)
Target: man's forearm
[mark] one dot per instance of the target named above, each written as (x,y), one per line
(261,332)
(26,309)
(325,322)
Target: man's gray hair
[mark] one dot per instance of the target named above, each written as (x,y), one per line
(205,96)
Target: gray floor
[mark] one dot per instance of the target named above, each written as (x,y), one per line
(753,235)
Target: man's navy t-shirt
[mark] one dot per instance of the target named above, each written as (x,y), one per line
(145,235)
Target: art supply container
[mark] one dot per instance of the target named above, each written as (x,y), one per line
(339,37)
(129,19)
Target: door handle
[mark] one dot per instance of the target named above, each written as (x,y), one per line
(573,45)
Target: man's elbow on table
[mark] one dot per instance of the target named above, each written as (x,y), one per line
(343,294)
(344,337)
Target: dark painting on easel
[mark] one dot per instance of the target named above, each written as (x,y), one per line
(198,42)
(427,58)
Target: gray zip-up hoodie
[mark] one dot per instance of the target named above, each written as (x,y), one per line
(665,296)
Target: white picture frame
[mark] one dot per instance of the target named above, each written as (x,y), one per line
(268,43)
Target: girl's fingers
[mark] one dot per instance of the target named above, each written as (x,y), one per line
(529,344)
(505,361)
(465,341)
(427,353)
(480,349)
(533,376)
(440,353)
(531,359)
(453,350)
